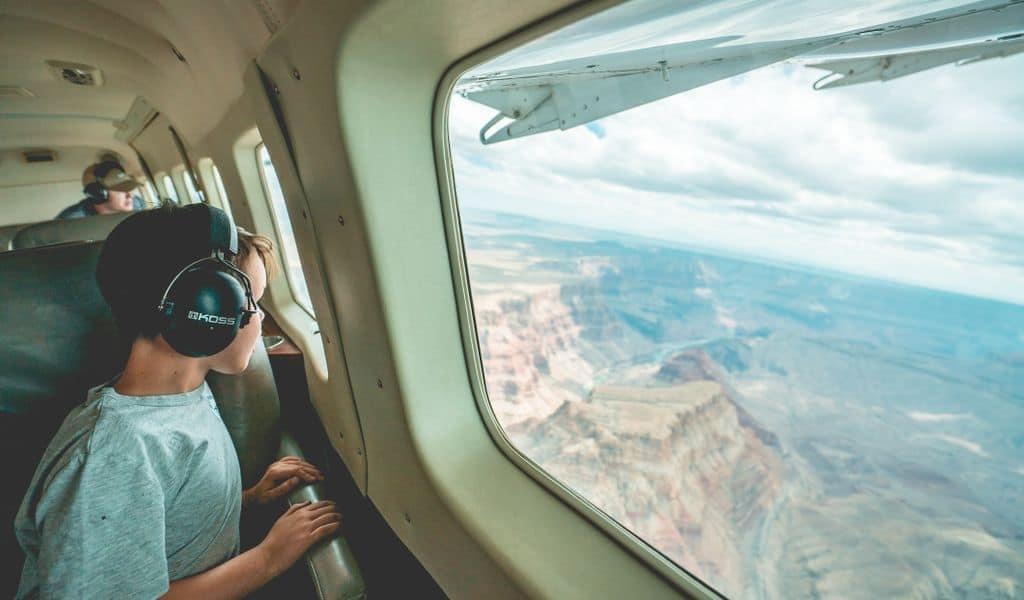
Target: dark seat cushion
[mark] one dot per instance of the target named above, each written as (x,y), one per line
(7,233)
(66,230)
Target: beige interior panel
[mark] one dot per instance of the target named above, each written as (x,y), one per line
(132,43)
(28,203)
(330,390)
(38,191)
(157,146)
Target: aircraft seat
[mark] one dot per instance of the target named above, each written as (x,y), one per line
(66,230)
(7,233)
(59,339)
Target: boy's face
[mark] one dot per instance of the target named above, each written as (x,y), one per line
(235,358)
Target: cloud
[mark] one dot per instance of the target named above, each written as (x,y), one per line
(927,417)
(968,445)
(918,180)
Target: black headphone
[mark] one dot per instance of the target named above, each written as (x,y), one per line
(95,192)
(209,300)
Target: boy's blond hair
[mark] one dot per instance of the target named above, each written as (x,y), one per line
(248,243)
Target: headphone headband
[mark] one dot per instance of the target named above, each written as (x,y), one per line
(223,234)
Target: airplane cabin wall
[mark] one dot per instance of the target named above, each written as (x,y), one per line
(363,131)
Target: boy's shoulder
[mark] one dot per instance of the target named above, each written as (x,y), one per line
(82,431)
(106,428)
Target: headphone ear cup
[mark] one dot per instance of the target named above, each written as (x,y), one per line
(205,310)
(96,192)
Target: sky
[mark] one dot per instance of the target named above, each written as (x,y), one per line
(918,180)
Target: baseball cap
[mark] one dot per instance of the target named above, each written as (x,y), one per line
(111,174)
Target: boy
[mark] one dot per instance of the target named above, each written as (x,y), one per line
(139,493)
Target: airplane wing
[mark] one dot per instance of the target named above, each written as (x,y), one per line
(567,94)
(891,66)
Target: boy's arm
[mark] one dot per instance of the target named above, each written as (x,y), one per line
(299,528)
(237,578)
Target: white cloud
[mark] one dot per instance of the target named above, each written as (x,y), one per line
(968,445)
(927,417)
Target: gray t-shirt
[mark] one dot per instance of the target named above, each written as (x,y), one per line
(132,493)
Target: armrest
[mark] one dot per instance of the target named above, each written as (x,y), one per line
(331,565)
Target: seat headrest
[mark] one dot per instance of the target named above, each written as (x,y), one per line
(7,233)
(67,230)
(58,337)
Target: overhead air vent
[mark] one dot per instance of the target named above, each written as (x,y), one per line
(39,156)
(76,73)
(10,91)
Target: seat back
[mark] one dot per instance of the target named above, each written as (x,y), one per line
(66,230)
(58,340)
(7,233)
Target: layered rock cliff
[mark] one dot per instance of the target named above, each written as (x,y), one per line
(674,464)
(676,459)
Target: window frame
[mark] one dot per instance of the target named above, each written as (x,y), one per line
(277,231)
(665,567)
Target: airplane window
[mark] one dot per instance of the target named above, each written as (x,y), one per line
(151,196)
(221,192)
(190,187)
(169,190)
(749,281)
(285,233)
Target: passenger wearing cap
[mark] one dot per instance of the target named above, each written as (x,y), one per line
(108,190)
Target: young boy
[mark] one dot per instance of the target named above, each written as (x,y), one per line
(139,493)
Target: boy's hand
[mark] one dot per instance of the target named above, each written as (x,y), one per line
(281,477)
(301,526)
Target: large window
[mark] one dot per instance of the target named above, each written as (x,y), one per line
(285,234)
(751,282)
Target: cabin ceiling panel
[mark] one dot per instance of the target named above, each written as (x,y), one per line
(156,144)
(53,134)
(133,43)
(68,165)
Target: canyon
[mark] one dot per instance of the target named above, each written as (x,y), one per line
(771,430)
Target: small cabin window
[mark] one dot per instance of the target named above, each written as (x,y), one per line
(169,191)
(152,197)
(283,225)
(195,196)
(222,193)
